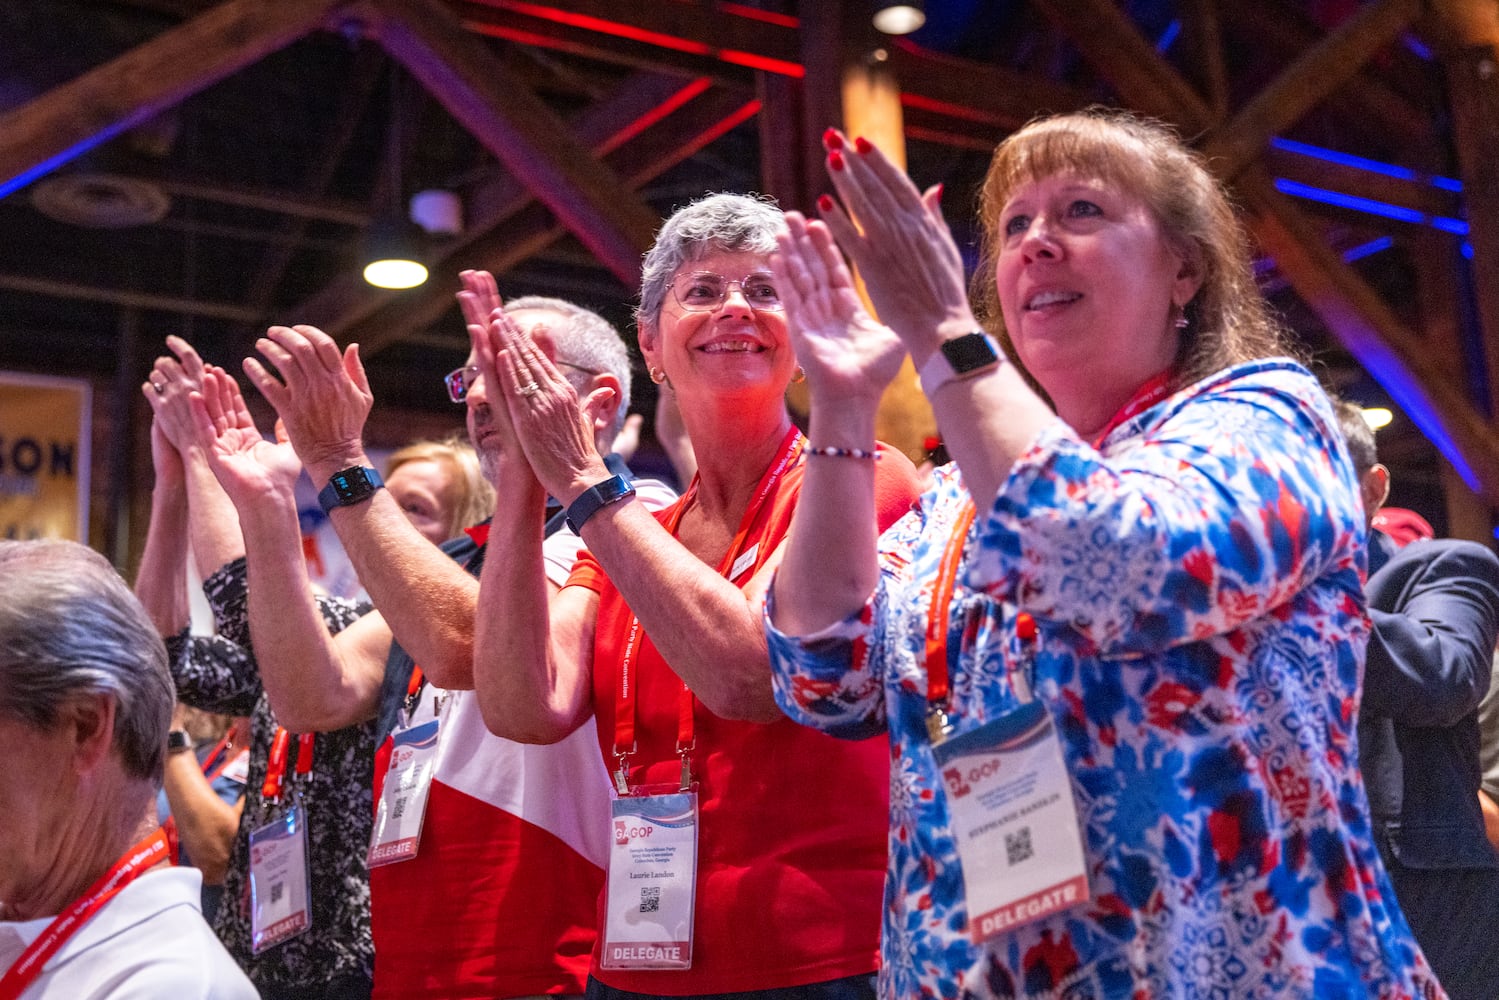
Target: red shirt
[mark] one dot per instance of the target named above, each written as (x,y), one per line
(791,846)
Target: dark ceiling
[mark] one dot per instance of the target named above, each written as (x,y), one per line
(239,196)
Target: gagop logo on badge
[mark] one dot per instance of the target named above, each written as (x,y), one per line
(624,833)
(960,783)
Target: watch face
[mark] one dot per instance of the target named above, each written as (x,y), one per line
(351,484)
(969,352)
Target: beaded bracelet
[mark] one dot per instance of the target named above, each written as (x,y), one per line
(832,452)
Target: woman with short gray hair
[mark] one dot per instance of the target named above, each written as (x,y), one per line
(89,907)
(693,663)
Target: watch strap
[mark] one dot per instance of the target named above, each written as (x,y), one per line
(595,499)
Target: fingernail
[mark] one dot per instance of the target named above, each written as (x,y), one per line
(832,139)
(835,160)
(940,188)
(824,203)
(862,145)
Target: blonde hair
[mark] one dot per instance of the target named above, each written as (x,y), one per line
(1228,321)
(473,495)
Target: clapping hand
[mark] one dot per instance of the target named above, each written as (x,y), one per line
(845,351)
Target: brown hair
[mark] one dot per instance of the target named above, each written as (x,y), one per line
(473,496)
(1228,321)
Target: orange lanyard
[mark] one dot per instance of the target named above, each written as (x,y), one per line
(275,768)
(135,862)
(625,694)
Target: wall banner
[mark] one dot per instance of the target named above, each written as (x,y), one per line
(45,430)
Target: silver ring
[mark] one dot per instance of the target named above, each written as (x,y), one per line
(530,390)
(159,387)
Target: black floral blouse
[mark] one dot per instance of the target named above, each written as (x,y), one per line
(219,674)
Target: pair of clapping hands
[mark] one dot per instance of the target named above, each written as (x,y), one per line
(322,400)
(906,255)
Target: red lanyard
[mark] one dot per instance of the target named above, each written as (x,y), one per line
(220,757)
(135,862)
(275,768)
(1152,392)
(625,694)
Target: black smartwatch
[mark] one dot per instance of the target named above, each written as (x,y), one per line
(595,498)
(958,358)
(355,484)
(178,741)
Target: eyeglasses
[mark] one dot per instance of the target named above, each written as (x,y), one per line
(704,291)
(460,380)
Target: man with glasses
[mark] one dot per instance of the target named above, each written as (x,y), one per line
(488,854)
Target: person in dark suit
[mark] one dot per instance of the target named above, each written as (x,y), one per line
(1435,610)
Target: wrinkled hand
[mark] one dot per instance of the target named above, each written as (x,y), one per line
(250,468)
(905,252)
(167,387)
(554,429)
(846,353)
(323,395)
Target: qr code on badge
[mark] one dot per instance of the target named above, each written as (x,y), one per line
(1018,845)
(650,898)
(398,808)
(278,889)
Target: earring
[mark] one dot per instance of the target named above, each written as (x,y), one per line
(1181,322)
(657,375)
(800,376)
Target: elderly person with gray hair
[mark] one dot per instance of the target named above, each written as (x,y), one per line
(88,906)
(765,868)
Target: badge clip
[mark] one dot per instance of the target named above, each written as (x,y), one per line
(622,772)
(684,752)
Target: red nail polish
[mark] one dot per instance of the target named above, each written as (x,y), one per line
(940,188)
(831,139)
(824,203)
(862,145)
(835,160)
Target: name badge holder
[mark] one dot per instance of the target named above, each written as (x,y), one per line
(651,894)
(402,809)
(1008,792)
(280,903)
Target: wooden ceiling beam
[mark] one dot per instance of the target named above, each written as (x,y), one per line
(1471,66)
(519,130)
(72,118)
(1415,195)
(1202,36)
(601,127)
(968,91)
(1363,324)
(554,35)
(1308,81)
(531,229)
(1282,31)
(1114,46)
(671,36)
(125,298)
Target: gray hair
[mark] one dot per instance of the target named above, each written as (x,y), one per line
(590,341)
(732,222)
(70,627)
